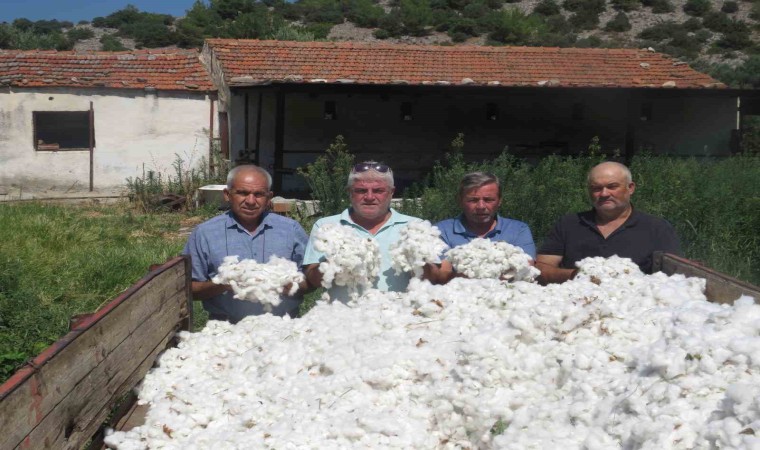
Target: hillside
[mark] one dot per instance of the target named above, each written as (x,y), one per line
(719,37)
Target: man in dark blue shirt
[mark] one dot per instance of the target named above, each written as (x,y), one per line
(611,227)
(479,197)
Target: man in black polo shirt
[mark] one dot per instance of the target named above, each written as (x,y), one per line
(611,227)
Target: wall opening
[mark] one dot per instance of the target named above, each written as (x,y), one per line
(61,130)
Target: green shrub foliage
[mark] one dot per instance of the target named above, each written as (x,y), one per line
(697,7)
(619,23)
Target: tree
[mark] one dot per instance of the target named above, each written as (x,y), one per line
(512,26)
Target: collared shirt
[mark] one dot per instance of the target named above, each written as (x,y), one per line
(223,236)
(576,236)
(454,233)
(385,237)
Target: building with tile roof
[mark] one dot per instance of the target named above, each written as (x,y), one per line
(287,101)
(148,107)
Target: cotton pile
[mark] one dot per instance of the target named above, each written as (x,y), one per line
(625,360)
(351,260)
(483,258)
(419,243)
(258,282)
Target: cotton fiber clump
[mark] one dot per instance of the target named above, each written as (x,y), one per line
(258,282)
(483,258)
(351,260)
(419,243)
(632,361)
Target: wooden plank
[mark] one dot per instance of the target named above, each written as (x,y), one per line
(720,288)
(48,398)
(77,417)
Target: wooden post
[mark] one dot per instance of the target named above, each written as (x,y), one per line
(92,144)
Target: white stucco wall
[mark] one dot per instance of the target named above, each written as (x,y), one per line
(135,131)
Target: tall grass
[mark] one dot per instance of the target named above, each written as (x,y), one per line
(714,204)
(58,261)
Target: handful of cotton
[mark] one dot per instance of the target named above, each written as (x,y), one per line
(598,268)
(350,260)
(256,282)
(483,258)
(419,243)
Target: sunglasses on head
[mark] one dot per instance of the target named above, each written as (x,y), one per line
(371,165)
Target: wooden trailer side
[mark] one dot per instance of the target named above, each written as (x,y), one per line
(720,287)
(60,399)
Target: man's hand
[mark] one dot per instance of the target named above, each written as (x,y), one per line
(550,270)
(313,276)
(204,290)
(438,273)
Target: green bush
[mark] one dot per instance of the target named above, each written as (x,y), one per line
(702,36)
(415,16)
(619,23)
(734,40)
(318,30)
(110,43)
(754,12)
(327,177)
(585,20)
(626,5)
(23,24)
(364,13)
(78,34)
(746,75)
(511,26)
(717,21)
(692,24)
(589,42)
(659,6)
(581,6)
(729,7)
(149,33)
(381,33)
(697,7)
(546,8)
(659,32)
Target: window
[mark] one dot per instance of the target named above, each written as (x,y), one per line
(330,112)
(578,111)
(646,112)
(61,130)
(492,111)
(406,111)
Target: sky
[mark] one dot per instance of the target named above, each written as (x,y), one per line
(76,10)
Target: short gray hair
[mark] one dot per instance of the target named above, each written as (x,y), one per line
(248,168)
(370,174)
(474,180)
(626,171)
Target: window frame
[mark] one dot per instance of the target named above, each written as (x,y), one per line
(88,130)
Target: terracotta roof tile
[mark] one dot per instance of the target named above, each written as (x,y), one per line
(248,62)
(140,69)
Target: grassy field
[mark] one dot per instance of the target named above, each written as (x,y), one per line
(57,261)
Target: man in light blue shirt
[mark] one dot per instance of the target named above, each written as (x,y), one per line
(249,231)
(479,197)
(370,188)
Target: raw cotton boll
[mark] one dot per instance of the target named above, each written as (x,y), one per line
(597,268)
(351,260)
(256,282)
(634,361)
(483,258)
(419,243)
